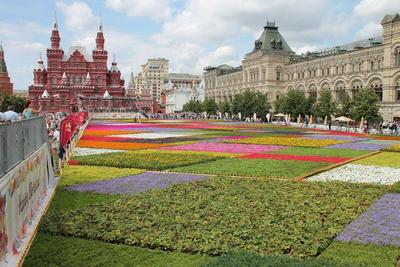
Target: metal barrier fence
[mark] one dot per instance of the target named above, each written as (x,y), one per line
(20,139)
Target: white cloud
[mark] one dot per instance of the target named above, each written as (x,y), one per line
(205,21)
(376,9)
(155,9)
(371,29)
(78,16)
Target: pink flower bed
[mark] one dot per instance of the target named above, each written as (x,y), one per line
(295,157)
(106,138)
(233,137)
(224,147)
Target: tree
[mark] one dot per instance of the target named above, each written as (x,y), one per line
(192,106)
(325,105)
(310,105)
(17,102)
(346,107)
(280,105)
(366,104)
(296,103)
(210,106)
(225,107)
(249,103)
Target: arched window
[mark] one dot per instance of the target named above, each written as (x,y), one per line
(376,85)
(77,80)
(398,90)
(53,79)
(372,65)
(340,92)
(397,62)
(99,80)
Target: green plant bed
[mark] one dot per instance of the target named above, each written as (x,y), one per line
(86,174)
(252,259)
(54,250)
(384,159)
(327,152)
(149,159)
(349,254)
(66,200)
(254,167)
(220,215)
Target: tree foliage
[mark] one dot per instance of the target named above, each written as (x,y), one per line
(295,103)
(210,106)
(225,107)
(249,103)
(366,104)
(193,106)
(325,105)
(346,107)
(17,102)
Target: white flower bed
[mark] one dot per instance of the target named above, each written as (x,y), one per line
(83,151)
(360,174)
(153,135)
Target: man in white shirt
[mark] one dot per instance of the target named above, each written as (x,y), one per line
(10,114)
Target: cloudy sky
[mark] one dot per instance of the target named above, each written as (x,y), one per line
(192,34)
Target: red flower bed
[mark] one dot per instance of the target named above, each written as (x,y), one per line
(106,138)
(73,162)
(294,157)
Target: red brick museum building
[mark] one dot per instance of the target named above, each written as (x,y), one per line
(77,78)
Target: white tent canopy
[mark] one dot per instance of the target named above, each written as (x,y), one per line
(343,119)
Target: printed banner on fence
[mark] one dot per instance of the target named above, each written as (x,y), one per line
(23,195)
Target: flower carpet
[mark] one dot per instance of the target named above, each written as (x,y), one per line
(213,193)
(137,183)
(377,225)
(360,174)
(225,148)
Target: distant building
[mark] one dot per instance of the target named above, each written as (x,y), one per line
(182,91)
(22,94)
(273,68)
(154,75)
(6,87)
(183,80)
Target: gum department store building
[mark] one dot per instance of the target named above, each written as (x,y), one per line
(273,68)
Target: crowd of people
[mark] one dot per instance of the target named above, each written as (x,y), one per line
(10,115)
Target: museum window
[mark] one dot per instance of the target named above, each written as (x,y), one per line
(77,80)
(327,71)
(379,64)
(323,72)
(337,70)
(359,67)
(278,75)
(398,90)
(372,65)
(53,79)
(99,80)
(342,69)
(379,92)
(397,62)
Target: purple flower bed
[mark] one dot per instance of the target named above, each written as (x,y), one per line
(379,224)
(335,137)
(358,146)
(137,183)
(224,147)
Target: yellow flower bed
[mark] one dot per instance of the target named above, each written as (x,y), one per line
(288,141)
(394,148)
